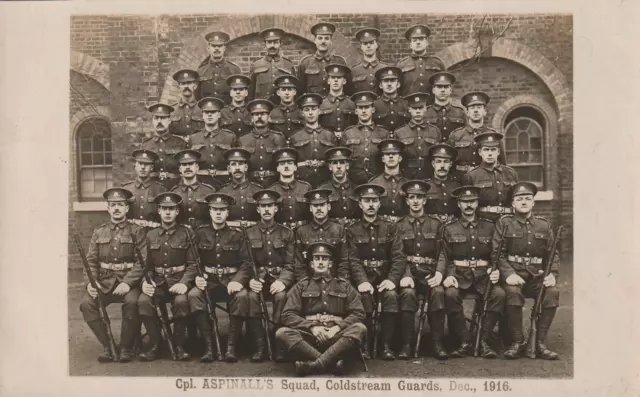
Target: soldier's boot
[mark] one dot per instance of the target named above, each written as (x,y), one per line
(235,329)
(179,335)
(128,333)
(368,322)
(304,354)
(544,322)
(436,323)
(153,331)
(327,360)
(489,322)
(191,342)
(388,326)
(280,353)
(407,323)
(503,330)
(514,318)
(254,328)
(460,326)
(100,331)
(205,330)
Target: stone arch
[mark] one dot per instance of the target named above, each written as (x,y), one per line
(92,67)
(237,26)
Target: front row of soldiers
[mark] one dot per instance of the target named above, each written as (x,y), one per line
(347,276)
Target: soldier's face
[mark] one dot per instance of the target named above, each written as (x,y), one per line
(442,92)
(390,86)
(323,42)
(391,160)
(369,48)
(237,169)
(260,119)
(168,215)
(160,123)
(320,211)
(188,170)
(286,168)
(286,94)
(238,95)
(211,117)
(468,207)
(365,113)
(143,169)
(476,112)
(419,44)
(523,204)
(273,46)
(339,168)
(488,154)
(311,114)
(188,88)
(117,210)
(216,50)
(267,211)
(321,265)
(441,166)
(218,215)
(416,202)
(369,205)
(417,114)
(336,83)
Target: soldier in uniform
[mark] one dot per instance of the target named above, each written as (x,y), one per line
(419,234)
(418,135)
(235,117)
(392,111)
(142,210)
(320,229)
(261,143)
(337,111)
(363,75)
(187,116)
(165,145)
(273,248)
(441,201)
(292,211)
(264,71)
(312,142)
(466,255)
(374,253)
(191,190)
(344,209)
(493,179)
(363,139)
(212,141)
(392,204)
(225,257)
(286,117)
(311,70)
(462,139)
(169,254)
(242,212)
(112,261)
(418,67)
(215,69)
(528,243)
(322,314)
(444,114)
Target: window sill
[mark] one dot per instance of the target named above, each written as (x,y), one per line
(544,195)
(90,206)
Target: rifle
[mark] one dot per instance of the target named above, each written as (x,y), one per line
(479,316)
(211,310)
(424,304)
(263,305)
(104,316)
(161,311)
(376,325)
(537,306)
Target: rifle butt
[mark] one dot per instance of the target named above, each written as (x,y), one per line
(531,342)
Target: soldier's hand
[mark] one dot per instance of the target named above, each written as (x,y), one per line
(122,289)
(255,285)
(435,280)
(332,332)
(365,287)
(276,286)
(201,283)
(386,285)
(494,276)
(514,279)
(549,281)
(319,332)
(234,287)
(450,282)
(407,282)
(148,289)
(178,289)
(93,293)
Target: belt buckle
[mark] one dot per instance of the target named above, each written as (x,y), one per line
(163,175)
(324,318)
(219,271)
(243,223)
(526,260)
(473,263)
(118,266)
(338,134)
(212,172)
(315,163)
(500,210)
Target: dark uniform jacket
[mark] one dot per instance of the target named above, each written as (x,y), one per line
(447,118)
(440,200)
(263,73)
(330,232)
(319,295)
(363,141)
(169,248)
(141,205)
(363,76)
(417,138)
(293,207)
(311,145)
(393,202)
(212,145)
(337,114)
(391,113)
(416,71)
(166,146)
(223,249)
(186,119)
(193,211)
(244,208)
(261,147)
(419,239)
(273,248)
(311,73)
(342,203)
(462,140)
(286,119)
(112,243)
(236,119)
(213,78)
(494,184)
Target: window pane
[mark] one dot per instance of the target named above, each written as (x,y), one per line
(85,145)
(98,146)
(107,144)
(512,157)
(523,156)
(511,144)
(534,130)
(523,124)
(98,158)
(86,159)
(523,141)
(535,156)
(535,174)
(94,147)
(107,158)
(536,143)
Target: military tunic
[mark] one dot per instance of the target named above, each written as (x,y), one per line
(166,146)
(186,119)
(213,78)
(330,232)
(261,146)
(312,74)
(212,145)
(142,209)
(417,138)
(337,114)
(286,119)
(244,208)
(392,203)
(468,157)
(363,76)
(440,200)
(293,209)
(344,209)
(192,210)
(494,189)
(416,71)
(263,73)
(447,118)
(391,113)
(363,141)
(236,119)
(311,144)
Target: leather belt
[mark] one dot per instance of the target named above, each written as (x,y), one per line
(496,209)
(241,223)
(524,259)
(218,270)
(311,163)
(164,175)
(262,174)
(274,270)
(463,168)
(323,318)
(390,218)
(421,260)
(116,266)
(213,172)
(373,264)
(144,223)
(472,263)
(293,225)
(170,270)
(345,220)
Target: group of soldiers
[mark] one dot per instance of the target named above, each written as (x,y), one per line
(342,211)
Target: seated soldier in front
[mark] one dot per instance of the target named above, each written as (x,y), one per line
(322,313)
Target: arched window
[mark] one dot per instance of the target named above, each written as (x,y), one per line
(94,158)
(525,129)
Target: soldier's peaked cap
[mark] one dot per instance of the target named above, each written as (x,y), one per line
(286,80)
(443,150)
(388,72)
(211,104)
(310,99)
(160,109)
(489,138)
(415,187)
(323,28)
(417,31)
(523,188)
(336,69)
(168,199)
(391,146)
(369,191)
(417,99)
(260,105)
(237,154)
(272,34)
(322,249)
(367,34)
(144,156)
(117,194)
(186,76)
(219,200)
(338,153)
(286,154)
(238,81)
(317,196)
(364,98)
(442,78)
(217,37)
(188,156)
(466,192)
(266,196)
(474,98)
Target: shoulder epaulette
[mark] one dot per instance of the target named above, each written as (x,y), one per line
(254,184)
(485,219)
(128,183)
(541,218)
(207,185)
(305,278)
(342,279)
(303,58)
(473,168)
(403,59)
(350,128)
(303,182)
(175,187)
(454,220)
(203,226)
(285,227)
(285,58)
(206,60)
(453,105)
(457,129)
(175,104)
(382,126)
(233,63)
(102,225)
(434,216)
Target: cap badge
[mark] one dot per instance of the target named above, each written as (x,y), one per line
(317,195)
(443,150)
(286,80)
(335,70)
(417,186)
(370,190)
(238,81)
(144,155)
(219,199)
(418,31)
(236,154)
(338,153)
(266,196)
(167,199)
(321,249)
(468,192)
(475,97)
(116,194)
(366,34)
(490,139)
(271,33)
(215,37)
(522,188)
(417,99)
(363,98)
(186,74)
(390,72)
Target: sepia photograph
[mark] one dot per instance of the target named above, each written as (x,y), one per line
(382,195)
